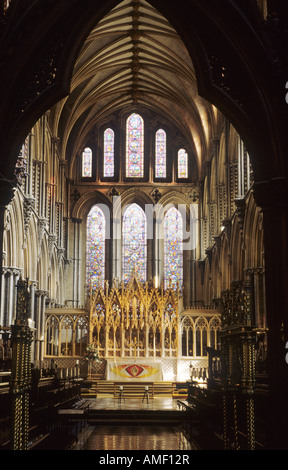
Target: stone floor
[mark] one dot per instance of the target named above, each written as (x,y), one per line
(134,436)
(111,403)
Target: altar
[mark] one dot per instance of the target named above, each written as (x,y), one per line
(137,370)
(134,325)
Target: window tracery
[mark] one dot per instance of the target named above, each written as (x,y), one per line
(95,248)
(108,153)
(199,332)
(135,146)
(52,336)
(123,155)
(134,244)
(160,154)
(66,335)
(182,164)
(201,327)
(173,248)
(87,163)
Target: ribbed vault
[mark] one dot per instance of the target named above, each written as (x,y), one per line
(133,56)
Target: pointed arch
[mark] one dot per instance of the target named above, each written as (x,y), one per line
(134,243)
(108,157)
(95,248)
(87,163)
(134,146)
(160,154)
(182,164)
(173,248)
(30,252)
(43,265)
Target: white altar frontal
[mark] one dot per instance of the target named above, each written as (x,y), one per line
(137,370)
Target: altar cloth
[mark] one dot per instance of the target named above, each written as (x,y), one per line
(141,371)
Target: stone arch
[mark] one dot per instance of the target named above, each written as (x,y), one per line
(221,159)
(17,232)
(207,285)
(236,252)
(30,251)
(43,264)
(216,273)
(134,195)
(225,264)
(251,235)
(188,24)
(53,275)
(87,200)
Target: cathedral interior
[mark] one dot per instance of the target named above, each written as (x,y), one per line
(144,221)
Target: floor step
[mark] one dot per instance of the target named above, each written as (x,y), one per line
(130,389)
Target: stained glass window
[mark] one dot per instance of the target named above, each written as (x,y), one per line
(95,248)
(173,248)
(87,163)
(109,153)
(182,164)
(160,154)
(135,146)
(134,243)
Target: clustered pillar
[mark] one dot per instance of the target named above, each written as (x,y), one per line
(20,386)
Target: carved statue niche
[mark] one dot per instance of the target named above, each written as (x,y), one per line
(134,320)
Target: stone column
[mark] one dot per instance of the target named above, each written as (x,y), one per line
(259,296)
(20,385)
(16,273)
(33,285)
(40,298)
(6,195)
(10,296)
(272,197)
(76,263)
(2,296)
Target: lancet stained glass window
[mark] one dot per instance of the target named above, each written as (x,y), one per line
(108,153)
(173,248)
(160,154)
(134,248)
(135,146)
(182,164)
(87,163)
(95,248)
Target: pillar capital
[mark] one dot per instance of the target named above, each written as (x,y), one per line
(76,220)
(271,193)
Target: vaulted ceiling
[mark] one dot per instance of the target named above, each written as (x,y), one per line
(133,56)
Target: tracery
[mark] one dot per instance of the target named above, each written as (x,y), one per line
(134,248)
(173,248)
(95,248)
(135,146)
(109,153)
